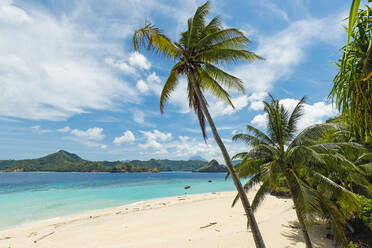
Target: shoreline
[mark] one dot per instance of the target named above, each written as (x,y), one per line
(193,220)
(34,222)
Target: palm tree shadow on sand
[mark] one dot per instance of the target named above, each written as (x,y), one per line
(317,232)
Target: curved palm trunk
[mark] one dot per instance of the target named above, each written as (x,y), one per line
(299,217)
(247,207)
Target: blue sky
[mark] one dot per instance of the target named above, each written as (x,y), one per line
(69,78)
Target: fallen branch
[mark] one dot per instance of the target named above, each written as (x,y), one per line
(210,224)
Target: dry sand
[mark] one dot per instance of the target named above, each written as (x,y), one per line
(204,220)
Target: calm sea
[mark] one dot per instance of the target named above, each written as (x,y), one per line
(28,197)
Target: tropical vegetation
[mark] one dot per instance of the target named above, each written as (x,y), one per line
(316,164)
(199,52)
(212,166)
(63,161)
(352,89)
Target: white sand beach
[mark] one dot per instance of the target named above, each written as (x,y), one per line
(203,220)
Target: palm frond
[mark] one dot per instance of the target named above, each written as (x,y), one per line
(155,40)
(239,155)
(213,26)
(261,135)
(223,56)
(224,78)
(207,82)
(248,139)
(260,195)
(337,219)
(195,105)
(338,192)
(214,40)
(169,87)
(297,113)
(311,133)
(249,167)
(300,155)
(198,24)
(306,199)
(256,179)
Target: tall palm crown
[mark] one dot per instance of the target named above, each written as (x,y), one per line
(312,170)
(198,53)
(201,48)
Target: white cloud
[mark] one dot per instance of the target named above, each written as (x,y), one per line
(275,9)
(66,129)
(89,137)
(256,100)
(157,135)
(219,108)
(184,138)
(12,15)
(39,130)
(48,69)
(153,144)
(153,78)
(124,67)
(127,137)
(259,120)
(285,50)
(152,141)
(313,114)
(142,86)
(139,116)
(138,60)
(94,133)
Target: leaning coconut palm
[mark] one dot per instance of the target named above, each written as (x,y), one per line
(201,48)
(305,164)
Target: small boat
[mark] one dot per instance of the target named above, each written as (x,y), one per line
(187,187)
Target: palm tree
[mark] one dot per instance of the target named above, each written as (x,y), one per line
(352,88)
(198,53)
(307,166)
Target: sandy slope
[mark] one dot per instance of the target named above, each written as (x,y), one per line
(168,222)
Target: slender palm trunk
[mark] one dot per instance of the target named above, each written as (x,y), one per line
(247,207)
(299,217)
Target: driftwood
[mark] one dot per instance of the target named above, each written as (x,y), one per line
(210,224)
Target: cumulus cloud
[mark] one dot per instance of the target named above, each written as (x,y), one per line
(138,60)
(89,137)
(124,67)
(127,137)
(313,113)
(259,120)
(153,141)
(282,51)
(39,130)
(157,135)
(94,133)
(285,50)
(218,108)
(47,70)
(12,14)
(66,129)
(139,116)
(142,86)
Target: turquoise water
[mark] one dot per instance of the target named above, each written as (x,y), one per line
(33,196)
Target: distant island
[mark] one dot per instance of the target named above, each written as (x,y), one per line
(63,161)
(212,166)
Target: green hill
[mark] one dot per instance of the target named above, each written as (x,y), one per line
(170,165)
(63,161)
(212,166)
